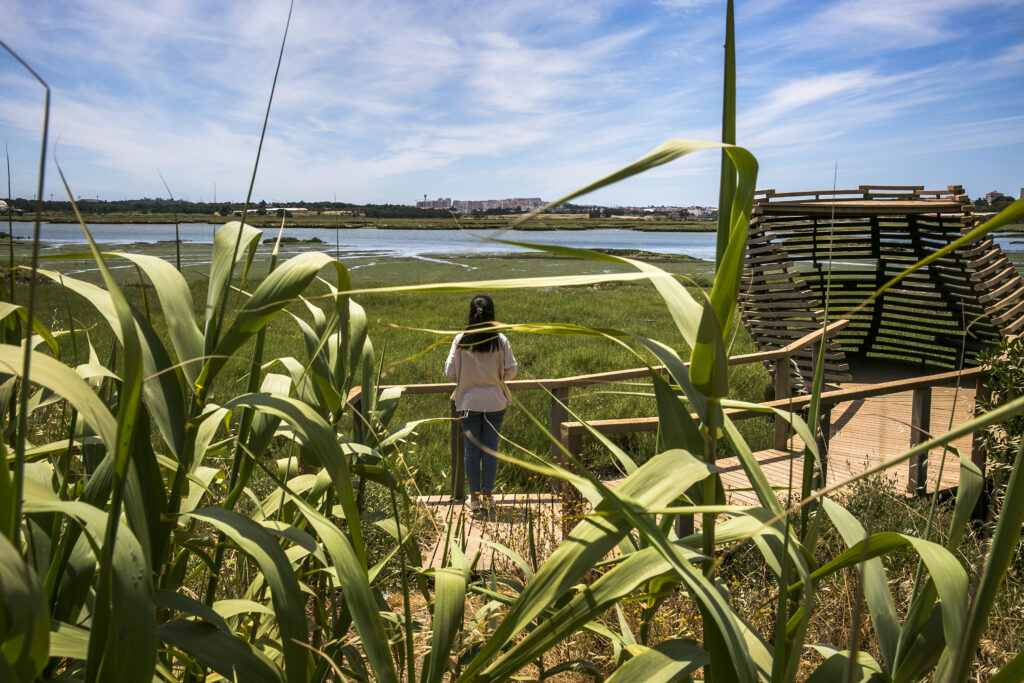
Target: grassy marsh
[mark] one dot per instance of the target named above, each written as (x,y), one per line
(410,355)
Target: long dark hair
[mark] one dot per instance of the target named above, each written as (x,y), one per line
(481,314)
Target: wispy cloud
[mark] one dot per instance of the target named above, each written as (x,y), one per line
(382,100)
(866,26)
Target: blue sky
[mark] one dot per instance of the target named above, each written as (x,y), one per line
(385,101)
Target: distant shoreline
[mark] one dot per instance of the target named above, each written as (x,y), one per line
(466,223)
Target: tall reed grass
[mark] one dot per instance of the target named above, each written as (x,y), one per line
(135,547)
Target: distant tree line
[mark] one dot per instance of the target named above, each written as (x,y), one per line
(997,204)
(147,205)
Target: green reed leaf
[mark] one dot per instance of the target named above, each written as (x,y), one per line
(176,302)
(7,308)
(24,617)
(589,603)
(881,606)
(449,603)
(60,379)
(667,661)
(352,575)
(1012,672)
(317,436)
(131,655)
(663,478)
(231,243)
(227,654)
(837,666)
(289,605)
(1001,553)
(67,640)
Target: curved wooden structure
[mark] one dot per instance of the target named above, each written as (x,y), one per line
(836,247)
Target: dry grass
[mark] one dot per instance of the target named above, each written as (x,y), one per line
(839,602)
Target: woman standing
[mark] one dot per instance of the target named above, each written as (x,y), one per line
(479,362)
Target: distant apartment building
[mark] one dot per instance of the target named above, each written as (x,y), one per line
(439,203)
(469,206)
(993,195)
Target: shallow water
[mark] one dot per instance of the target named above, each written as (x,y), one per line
(351,243)
(370,242)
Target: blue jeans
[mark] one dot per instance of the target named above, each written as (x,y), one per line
(480,436)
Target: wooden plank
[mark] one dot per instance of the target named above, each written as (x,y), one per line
(861,208)
(984,259)
(1001,265)
(1009,288)
(559,414)
(817,314)
(910,188)
(863,434)
(858,192)
(1012,313)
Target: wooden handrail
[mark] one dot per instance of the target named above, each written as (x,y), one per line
(616,375)
(571,433)
(828,398)
(559,389)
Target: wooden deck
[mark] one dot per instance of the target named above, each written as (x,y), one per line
(865,433)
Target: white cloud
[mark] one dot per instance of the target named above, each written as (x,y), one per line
(682,4)
(378,99)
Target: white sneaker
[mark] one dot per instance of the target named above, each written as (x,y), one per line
(474,505)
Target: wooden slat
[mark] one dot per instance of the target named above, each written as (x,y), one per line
(1012,313)
(1010,287)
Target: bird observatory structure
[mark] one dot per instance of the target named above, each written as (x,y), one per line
(809,252)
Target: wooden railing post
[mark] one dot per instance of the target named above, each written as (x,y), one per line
(920,426)
(458,468)
(979,455)
(559,414)
(782,391)
(572,501)
(824,431)
(357,422)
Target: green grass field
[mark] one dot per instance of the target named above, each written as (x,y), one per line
(409,355)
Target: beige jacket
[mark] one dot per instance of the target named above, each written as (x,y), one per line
(480,376)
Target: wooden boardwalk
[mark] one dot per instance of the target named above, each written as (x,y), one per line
(508,524)
(863,433)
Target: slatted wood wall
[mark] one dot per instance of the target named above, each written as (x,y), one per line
(836,247)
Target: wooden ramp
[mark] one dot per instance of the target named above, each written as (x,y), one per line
(865,433)
(508,524)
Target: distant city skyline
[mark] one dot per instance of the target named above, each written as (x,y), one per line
(531,203)
(384,101)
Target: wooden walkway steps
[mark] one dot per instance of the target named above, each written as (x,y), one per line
(507,524)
